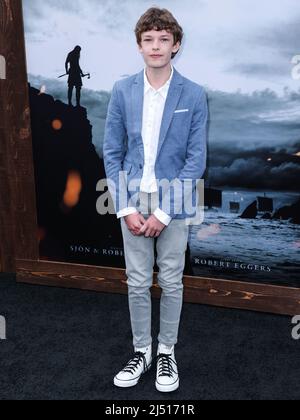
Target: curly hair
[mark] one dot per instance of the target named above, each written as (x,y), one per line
(159,20)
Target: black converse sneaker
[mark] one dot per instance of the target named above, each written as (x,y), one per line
(167,378)
(135,368)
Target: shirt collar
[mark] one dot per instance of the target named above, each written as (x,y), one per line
(163,90)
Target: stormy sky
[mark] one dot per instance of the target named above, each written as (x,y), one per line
(241,53)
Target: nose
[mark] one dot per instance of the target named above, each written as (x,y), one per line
(156,46)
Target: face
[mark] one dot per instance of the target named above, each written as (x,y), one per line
(157,48)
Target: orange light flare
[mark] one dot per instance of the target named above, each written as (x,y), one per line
(297,154)
(270,160)
(206,233)
(72,192)
(57,125)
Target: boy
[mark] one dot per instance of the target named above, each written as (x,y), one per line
(156,130)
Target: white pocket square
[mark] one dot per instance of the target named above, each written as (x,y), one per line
(180,111)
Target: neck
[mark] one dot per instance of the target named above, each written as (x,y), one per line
(157,77)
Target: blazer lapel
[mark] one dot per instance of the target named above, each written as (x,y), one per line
(172,100)
(137,98)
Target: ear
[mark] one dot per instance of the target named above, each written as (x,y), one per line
(176,47)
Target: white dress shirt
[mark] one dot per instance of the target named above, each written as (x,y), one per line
(154,105)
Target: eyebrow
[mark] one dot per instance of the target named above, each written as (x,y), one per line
(162,36)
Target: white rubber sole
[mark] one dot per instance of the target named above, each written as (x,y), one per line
(129,384)
(126,384)
(167,388)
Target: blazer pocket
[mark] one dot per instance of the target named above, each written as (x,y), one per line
(181,111)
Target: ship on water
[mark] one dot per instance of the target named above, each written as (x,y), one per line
(234,207)
(213,199)
(262,206)
(265,204)
(235,204)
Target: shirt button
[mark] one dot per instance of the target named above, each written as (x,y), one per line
(141,166)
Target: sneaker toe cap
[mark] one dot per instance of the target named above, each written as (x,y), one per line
(166,380)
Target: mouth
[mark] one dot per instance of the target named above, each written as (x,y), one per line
(155,56)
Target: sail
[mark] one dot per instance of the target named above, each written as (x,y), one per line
(234,207)
(265,204)
(213,198)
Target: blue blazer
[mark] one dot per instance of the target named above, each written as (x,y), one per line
(182,149)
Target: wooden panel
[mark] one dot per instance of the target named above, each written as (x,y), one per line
(225,293)
(7,263)
(6,220)
(18,205)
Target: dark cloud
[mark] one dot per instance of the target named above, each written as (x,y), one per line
(222,156)
(261,168)
(248,121)
(257,174)
(254,139)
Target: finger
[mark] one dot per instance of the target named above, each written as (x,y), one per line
(139,231)
(143,229)
(150,233)
(147,233)
(141,224)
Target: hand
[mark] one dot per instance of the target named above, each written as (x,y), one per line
(152,228)
(135,222)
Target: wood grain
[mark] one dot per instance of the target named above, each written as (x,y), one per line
(18,221)
(7,263)
(225,293)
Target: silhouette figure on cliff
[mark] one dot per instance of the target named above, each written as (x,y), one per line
(75,74)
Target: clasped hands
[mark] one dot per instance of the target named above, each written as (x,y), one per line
(139,226)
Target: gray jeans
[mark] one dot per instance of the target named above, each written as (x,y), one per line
(171,247)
